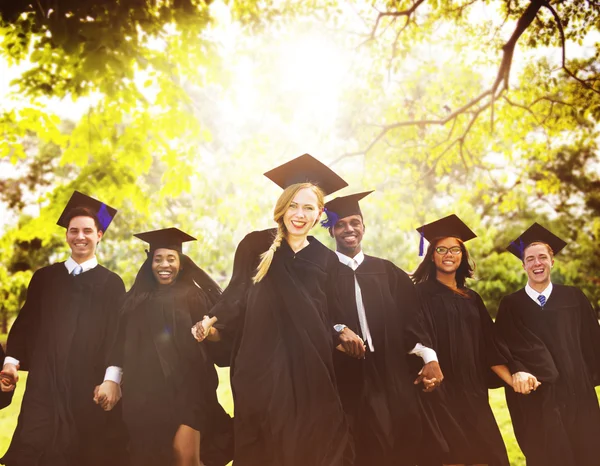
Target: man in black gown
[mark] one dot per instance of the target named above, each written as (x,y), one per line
(380,304)
(553,333)
(62,336)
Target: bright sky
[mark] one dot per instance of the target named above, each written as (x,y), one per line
(306,72)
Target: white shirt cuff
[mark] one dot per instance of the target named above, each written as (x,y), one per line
(9,360)
(114,374)
(426,354)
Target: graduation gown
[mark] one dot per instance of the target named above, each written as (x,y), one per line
(459,424)
(378,393)
(5,397)
(559,423)
(168,378)
(287,409)
(62,336)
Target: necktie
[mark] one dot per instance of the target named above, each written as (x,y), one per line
(77,270)
(542,299)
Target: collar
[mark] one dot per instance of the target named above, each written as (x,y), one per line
(70,264)
(352,262)
(534,294)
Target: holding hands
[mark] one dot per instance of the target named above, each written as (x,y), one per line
(204,329)
(9,377)
(524,382)
(351,344)
(107,395)
(431,376)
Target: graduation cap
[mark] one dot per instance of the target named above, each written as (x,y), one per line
(168,238)
(445,227)
(306,169)
(104,213)
(533,234)
(343,206)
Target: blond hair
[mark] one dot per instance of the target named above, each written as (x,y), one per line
(281,207)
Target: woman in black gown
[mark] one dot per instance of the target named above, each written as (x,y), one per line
(169,381)
(459,425)
(279,312)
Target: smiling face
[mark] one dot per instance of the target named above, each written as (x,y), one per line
(82,237)
(348,233)
(166,265)
(446,262)
(538,262)
(302,213)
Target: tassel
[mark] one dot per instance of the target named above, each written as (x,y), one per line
(332,219)
(421,244)
(104,217)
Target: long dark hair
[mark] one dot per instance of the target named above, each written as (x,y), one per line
(427,271)
(189,275)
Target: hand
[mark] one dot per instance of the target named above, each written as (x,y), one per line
(351,344)
(204,329)
(107,395)
(9,377)
(524,382)
(431,376)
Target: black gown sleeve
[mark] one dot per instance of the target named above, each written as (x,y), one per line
(114,302)
(527,352)
(495,353)
(25,325)
(409,307)
(231,304)
(590,337)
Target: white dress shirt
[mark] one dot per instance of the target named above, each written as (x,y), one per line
(534,294)
(113,373)
(427,354)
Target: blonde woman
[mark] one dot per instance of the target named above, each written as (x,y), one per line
(279,312)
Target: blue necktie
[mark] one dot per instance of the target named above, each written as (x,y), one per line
(77,270)
(542,299)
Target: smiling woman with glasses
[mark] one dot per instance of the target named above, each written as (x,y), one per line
(459,425)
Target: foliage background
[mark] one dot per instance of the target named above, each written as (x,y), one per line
(172,110)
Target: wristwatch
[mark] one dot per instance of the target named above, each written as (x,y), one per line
(339,328)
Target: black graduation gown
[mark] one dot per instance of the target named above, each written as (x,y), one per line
(458,421)
(62,336)
(559,423)
(378,393)
(5,397)
(168,379)
(287,409)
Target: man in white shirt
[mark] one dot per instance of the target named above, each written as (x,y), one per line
(62,336)
(552,332)
(380,326)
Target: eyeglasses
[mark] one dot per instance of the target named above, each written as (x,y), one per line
(454,250)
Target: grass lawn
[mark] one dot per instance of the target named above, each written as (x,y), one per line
(8,416)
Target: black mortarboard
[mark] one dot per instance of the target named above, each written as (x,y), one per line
(305,169)
(104,213)
(535,233)
(444,227)
(169,238)
(343,206)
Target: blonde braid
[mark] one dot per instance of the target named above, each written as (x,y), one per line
(267,257)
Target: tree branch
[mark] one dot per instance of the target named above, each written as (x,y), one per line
(564,49)
(499,86)
(395,14)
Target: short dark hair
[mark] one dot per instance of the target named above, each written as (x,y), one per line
(535,243)
(83,212)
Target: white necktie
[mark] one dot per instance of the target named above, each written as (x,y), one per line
(77,270)
(360,307)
